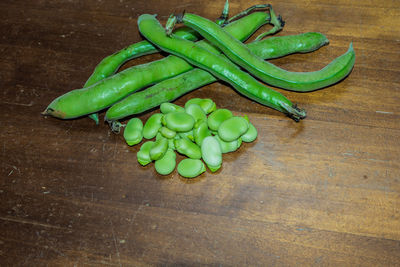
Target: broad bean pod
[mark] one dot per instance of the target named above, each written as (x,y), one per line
(337,70)
(171,89)
(80,102)
(110,64)
(219,66)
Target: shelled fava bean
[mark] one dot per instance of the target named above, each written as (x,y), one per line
(198,131)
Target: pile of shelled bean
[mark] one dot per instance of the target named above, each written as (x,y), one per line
(190,132)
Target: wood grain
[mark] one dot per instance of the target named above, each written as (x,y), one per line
(323,192)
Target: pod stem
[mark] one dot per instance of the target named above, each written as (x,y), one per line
(171,22)
(116,126)
(278,23)
(248,10)
(222,20)
(294,112)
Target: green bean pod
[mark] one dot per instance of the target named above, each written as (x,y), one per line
(220,67)
(337,70)
(84,101)
(170,89)
(80,102)
(275,47)
(112,63)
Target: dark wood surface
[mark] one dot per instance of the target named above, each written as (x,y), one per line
(321,192)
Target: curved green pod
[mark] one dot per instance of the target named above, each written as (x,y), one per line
(152,126)
(100,95)
(217,117)
(338,69)
(211,153)
(80,102)
(110,64)
(218,66)
(171,89)
(232,128)
(167,163)
(133,131)
(275,47)
(179,121)
(191,168)
(187,148)
(143,155)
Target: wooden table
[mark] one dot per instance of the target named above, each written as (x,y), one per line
(324,191)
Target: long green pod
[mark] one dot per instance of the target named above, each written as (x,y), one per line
(110,64)
(219,66)
(266,71)
(171,89)
(80,102)
(275,47)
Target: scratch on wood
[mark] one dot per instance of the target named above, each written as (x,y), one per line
(384,112)
(14,168)
(115,243)
(18,220)
(18,104)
